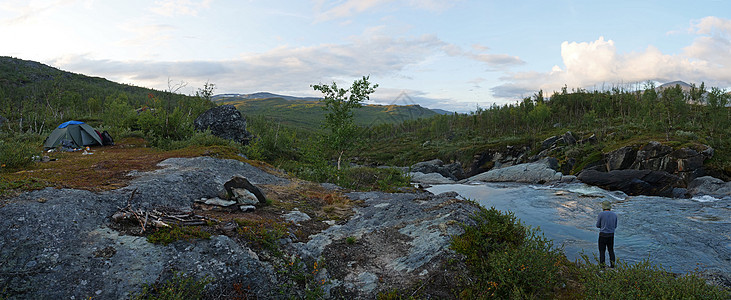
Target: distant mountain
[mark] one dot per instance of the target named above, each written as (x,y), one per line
(258,95)
(441,111)
(683,85)
(310,115)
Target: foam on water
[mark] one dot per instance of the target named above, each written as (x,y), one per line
(705,198)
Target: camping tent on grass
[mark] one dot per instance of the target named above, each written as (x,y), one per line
(79,133)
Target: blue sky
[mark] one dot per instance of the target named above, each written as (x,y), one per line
(452,55)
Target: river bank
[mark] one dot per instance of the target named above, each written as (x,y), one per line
(667,231)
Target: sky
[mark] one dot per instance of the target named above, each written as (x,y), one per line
(449,54)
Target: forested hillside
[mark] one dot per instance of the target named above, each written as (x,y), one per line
(618,117)
(34,96)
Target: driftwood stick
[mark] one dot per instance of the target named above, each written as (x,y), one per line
(175,218)
(129,200)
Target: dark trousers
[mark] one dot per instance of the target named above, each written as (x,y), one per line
(606,242)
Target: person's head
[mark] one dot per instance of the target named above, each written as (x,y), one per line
(606,205)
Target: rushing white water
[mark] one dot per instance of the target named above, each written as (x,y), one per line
(680,234)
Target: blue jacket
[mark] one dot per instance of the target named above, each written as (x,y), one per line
(607,221)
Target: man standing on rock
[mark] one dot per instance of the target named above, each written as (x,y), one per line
(607,222)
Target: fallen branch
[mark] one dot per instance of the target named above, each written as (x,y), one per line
(163,217)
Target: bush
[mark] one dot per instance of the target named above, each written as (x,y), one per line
(17,152)
(507,259)
(644,280)
(367,178)
(196,139)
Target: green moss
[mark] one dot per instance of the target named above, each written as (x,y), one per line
(179,287)
(10,186)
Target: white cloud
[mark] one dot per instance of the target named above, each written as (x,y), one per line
(170,8)
(348,8)
(27,11)
(709,25)
(492,60)
(596,63)
(281,69)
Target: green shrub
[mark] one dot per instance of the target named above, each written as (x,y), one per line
(507,260)
(263,234)
(196,139)
(17,153)
(367,178)
(174,233)
(644,280)
(180,287)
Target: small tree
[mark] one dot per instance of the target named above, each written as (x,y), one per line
(340,103)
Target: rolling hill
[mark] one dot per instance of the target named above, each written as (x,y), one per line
(308,114)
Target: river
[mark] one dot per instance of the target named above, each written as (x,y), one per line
(682,235)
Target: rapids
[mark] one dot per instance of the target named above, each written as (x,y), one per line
(682,235)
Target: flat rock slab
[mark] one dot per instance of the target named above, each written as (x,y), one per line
(537,172)
(397,240)
(56,243)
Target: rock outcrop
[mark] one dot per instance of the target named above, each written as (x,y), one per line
(541,171)
(400,238)
(635,182)
(451,171)
(491,159)
(685,162)
(710,186)
(226,122)
(430,178)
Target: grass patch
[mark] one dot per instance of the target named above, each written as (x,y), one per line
(643,280)
(10,188)
(179,287)
(174,233)
(108,167)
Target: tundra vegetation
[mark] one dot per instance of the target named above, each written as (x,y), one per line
(503,258)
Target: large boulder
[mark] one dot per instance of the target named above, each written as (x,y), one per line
(498,158)
(541,171)
(451,171)
(620,159)
(225,122)
(549,142)
(430,178)
(569,138)
(710,186)
(245,193)
(634,182)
